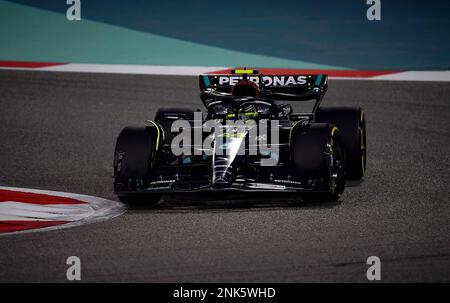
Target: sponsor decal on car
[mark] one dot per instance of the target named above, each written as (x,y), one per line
(267,80)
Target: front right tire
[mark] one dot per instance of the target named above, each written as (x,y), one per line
(318,153)
(351,121)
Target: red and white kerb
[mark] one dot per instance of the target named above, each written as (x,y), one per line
(28,209)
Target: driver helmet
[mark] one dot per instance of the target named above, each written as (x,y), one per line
(245,88)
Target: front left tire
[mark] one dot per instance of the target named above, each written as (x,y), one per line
(134,158)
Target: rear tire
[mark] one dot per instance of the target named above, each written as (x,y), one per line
(318,153)
(134,158)
(352,124)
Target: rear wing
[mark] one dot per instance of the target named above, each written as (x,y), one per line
(276,87)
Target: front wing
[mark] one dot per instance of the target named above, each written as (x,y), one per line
(196,178)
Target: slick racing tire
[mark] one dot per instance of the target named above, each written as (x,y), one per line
(352,124)
(318,153)
(134,157)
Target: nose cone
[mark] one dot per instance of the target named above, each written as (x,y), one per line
(221,183)
(226,160)
(223,172)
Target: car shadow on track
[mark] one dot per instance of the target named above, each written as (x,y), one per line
(220,202)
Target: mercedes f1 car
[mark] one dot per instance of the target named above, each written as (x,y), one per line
(312,154)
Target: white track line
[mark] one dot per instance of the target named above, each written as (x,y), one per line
(438,76)
(431,76)
(134,69)
(126,69)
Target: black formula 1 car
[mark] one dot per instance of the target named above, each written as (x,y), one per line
(248,139)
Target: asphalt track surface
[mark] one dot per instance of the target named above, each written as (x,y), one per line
(58,132)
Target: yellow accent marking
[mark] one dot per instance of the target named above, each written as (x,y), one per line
(333,130)
(251,114)
(292,128)
(233,135)
(158,134)
(243,71)
(362,116)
